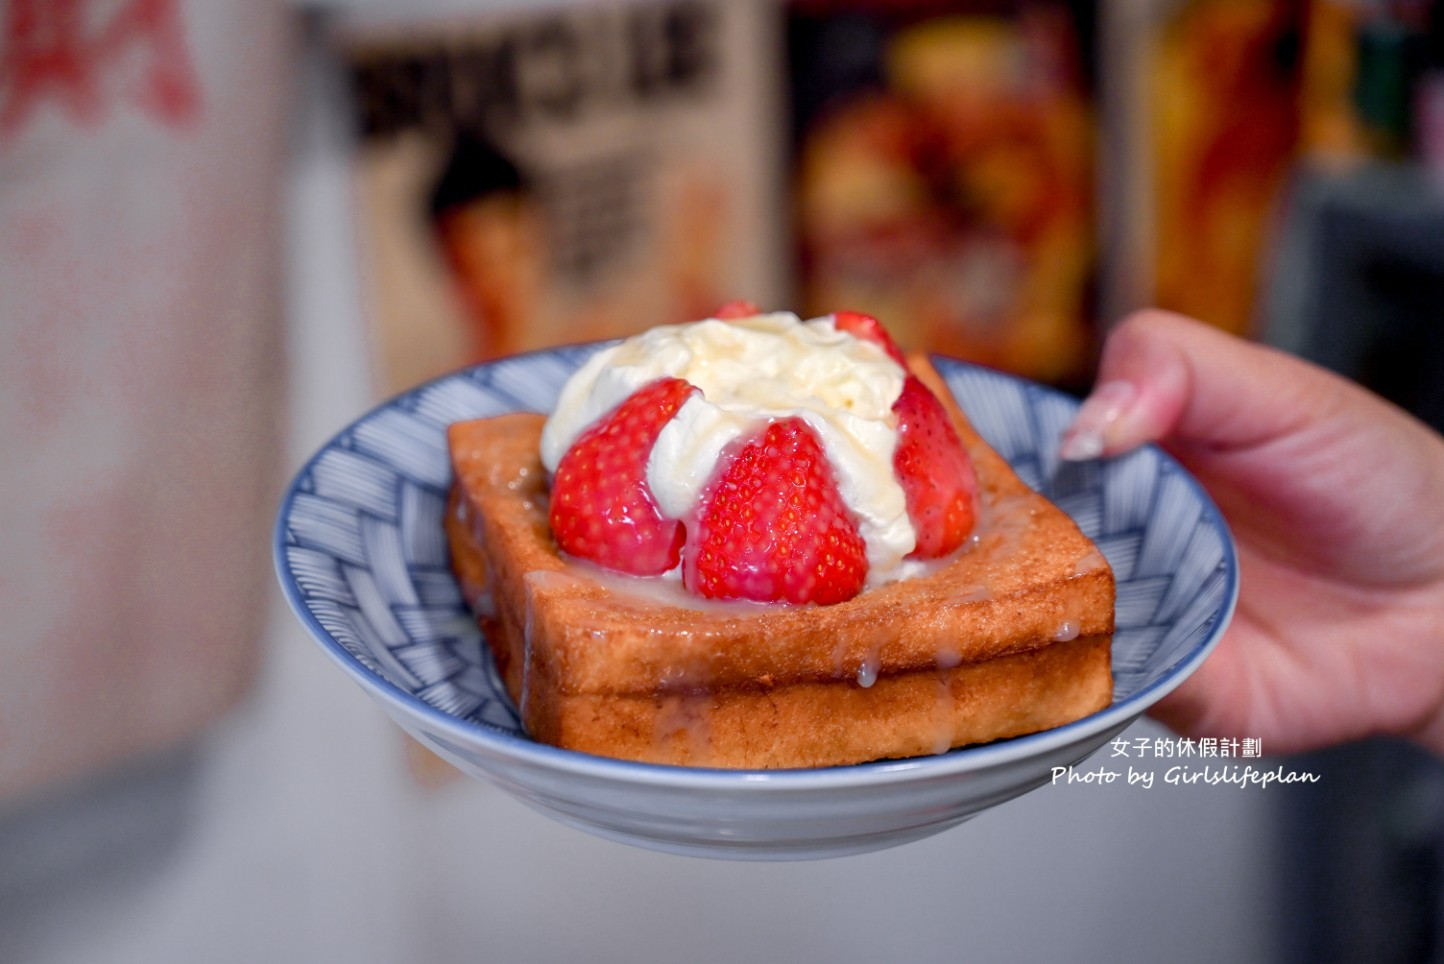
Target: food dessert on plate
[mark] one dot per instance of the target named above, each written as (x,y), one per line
(755,541)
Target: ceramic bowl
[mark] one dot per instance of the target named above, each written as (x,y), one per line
(361,556)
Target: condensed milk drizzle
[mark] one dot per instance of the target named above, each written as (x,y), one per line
(1067,630)
(683,715)
(1090,562)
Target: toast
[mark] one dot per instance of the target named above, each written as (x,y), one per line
(1008,636)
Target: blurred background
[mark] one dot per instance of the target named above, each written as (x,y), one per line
(227,229)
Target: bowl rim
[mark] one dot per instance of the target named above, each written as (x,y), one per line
(498,743)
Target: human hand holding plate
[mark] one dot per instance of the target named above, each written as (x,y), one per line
(1337,500)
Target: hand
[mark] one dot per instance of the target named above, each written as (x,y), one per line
(1336,500)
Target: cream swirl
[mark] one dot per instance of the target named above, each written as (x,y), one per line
(749,371)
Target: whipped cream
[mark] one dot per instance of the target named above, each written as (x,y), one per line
(749,371)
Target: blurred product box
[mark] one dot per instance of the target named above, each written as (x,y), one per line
(1204,105)
(943,174)
(528,177)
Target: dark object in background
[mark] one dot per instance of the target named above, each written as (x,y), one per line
(1359,282)
(1363,850)
(1359,288)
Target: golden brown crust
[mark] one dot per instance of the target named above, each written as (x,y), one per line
(597,665)
(838,722)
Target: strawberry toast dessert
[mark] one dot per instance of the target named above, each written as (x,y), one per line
(757,541)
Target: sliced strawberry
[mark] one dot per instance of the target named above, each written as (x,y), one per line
(732,310)
(601,506)
(870,329)
(773,526)
(935,472)
(930,462)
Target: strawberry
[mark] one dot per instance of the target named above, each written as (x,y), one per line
(935,472)
(602,509)
(773,526)
(732,310)
(870,329)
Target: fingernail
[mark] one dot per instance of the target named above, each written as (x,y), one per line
(1096,422)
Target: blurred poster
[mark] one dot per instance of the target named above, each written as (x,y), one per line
(943,174)
(1223,123)
(557,174)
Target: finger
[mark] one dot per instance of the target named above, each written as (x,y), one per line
(1164,376)
(1205,704)
(1286,448)
(1221,697)
(1218,702)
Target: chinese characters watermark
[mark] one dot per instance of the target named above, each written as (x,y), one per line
(1183,746)
(1204,763)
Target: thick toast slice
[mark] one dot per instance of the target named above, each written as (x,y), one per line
(1009,636)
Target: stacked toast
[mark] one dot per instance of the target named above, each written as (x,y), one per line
(1008,636)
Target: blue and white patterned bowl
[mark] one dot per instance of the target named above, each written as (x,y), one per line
(363,561)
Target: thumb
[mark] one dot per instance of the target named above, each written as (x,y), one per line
(1164,377)
(1292,454)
